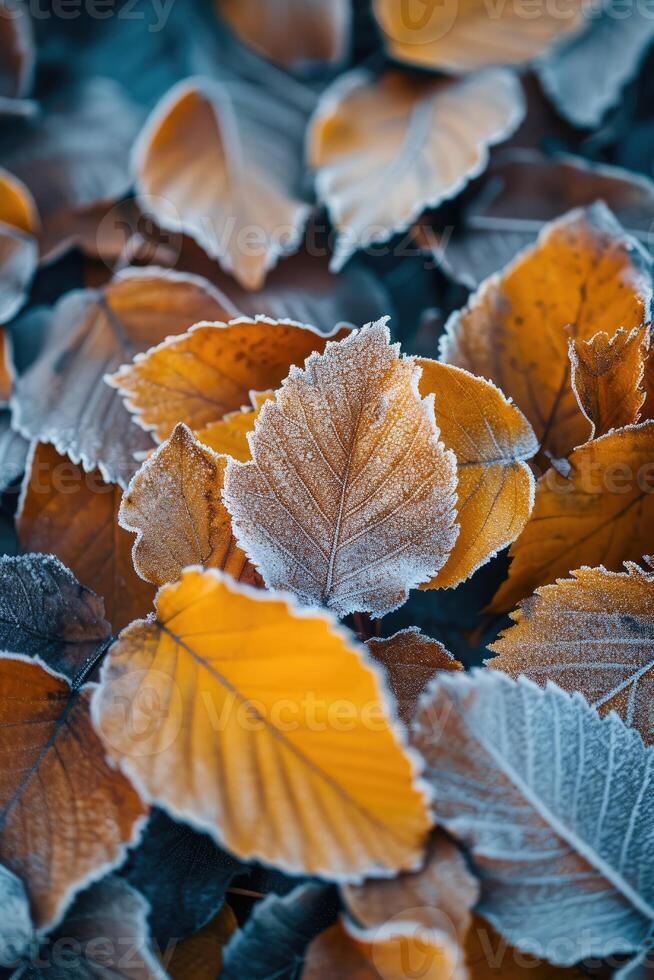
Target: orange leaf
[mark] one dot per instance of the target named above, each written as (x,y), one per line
(74,515)
(204,374)
(599,514)
(230,434)
(7,372)
(590,633)
(65,815)
(410,660)
(200,956)
(349,498)
(242,208)
(17,206)
(491,439)
(383,153)
(606,376)
(18,249)
(584,271)
(461,37)
(174,506)
(63,398)
(268,740)
(291,33)
(489,955)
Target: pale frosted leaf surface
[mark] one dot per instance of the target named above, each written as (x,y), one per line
(317,795)
(230,434)
(410,660)
(466,35)
(74,515)
(46,613)
(13,452)
(65,815)
(600,513)
(200,163)
(292,33)
(204,374)
(592,633)
(382,148)
(606,376)
(585,272)
(174,505)
(18,261)
(105,934)
(16,930)
(554,805)
(611,42)
(492,440)
(349,500)
(63,398)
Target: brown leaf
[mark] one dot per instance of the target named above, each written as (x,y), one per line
(489,956)
(461,38)
(599,514)
(63,398)
(606,376)
(74,515)
(230,435)
(7,371)
(174,506)
(200,956)
(592,633)
(583,271)
(289,32)
(410,660)
(17,58)
(349,498)
(242,209)
(382,153)
(65,815)
(204,374)
(492,440)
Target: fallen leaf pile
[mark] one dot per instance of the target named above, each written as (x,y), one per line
(326,491)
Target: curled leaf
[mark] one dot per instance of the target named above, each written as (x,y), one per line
(382,153)
(349,498)
(174,505)
(263,694)
(204,374)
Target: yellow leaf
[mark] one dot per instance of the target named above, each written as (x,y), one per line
(607,372)
(276,736)
(200,956)
(383,151)
(491,439)
(175,508)
(17,206)
(204,374)
(585,272)
(349,498)
(601,513)
(229,436)
(463,35)
(590,633)
(74,515)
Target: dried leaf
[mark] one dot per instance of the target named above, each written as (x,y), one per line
(489,957)
(92,545)
(554,805)
(341,806)
(382,153)
(7,371)
(492,440)
(200,957)
(241,209)
(62,398)
(65,814)
(411,660)
(584,271)
(606,376)
(17,206)
(291,33)
(18,249)
(104,935)
(46,614)
(204,374)
(600,513)
(174,506)
(459,37)
(17,57)
(592,633)
(349,498)
(230,434)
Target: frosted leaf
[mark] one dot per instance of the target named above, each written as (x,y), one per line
(63,398)
(16,931)
(592,633)
(555,806)
(13,452)
(349,498)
